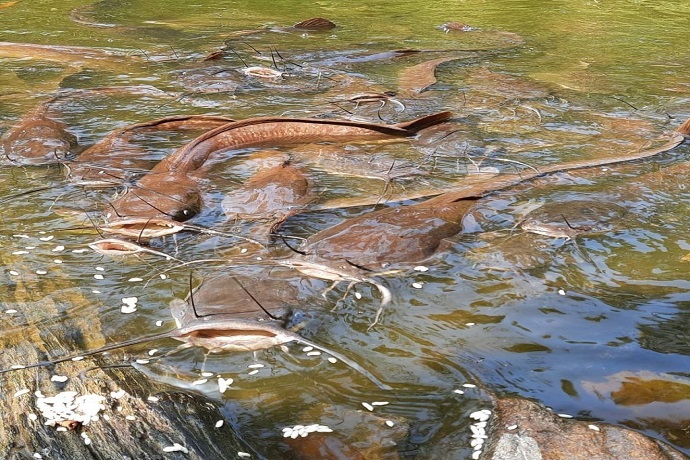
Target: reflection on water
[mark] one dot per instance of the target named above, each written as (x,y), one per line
(595,325)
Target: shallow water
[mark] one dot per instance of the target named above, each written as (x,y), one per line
(595,327)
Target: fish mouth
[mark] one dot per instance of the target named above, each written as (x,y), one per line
(143,228)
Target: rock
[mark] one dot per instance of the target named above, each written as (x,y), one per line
(538,434)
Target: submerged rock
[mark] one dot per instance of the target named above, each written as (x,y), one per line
(521,429)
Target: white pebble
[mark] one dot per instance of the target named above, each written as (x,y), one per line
(469,385)
(421,268)
(57,261)
(33,417)
(470,324)
(220,423)
(307,349)
(314,353)
(199,382)
(417,285)
(561,292)
(476,442)
(95,291)
(130,417)
(368,406)
(207,374)
(255,371)
(14,273)
(390,423)
(358,296)
(460,392)
(159,323)
(99,277)
(256,366)
(10,311)
(511,427)
(37,455)
(243,251)
(243,455)
(163,276)
(47,238)
(58,248)
(380,403)
(153,351)
(593,427)
(332,360)
(78,251)
(142,361)
(41,272)
(19,253)
(135,279)
(100,269)
(21,235)
(565,415)
(476,454)
(59,378)
(153,399)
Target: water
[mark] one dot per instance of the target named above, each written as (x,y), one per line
(595,327)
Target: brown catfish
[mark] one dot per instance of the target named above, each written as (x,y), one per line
(108,162)
(275,193)
(219,333)
(39,138)
(409,234)
(168,190)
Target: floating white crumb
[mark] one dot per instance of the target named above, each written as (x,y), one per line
(469,385)
(126,309)
(41,272)
(243,455)
(58,248)
(417,285)
(11,311)
(134,280)
(224,384)
(153,399)
(59,378)
(98,277)
(256,366)
(561,292)
(332,360)
(176,448)
(117,394)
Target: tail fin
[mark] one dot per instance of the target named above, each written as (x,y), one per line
(684,129)
(414,126)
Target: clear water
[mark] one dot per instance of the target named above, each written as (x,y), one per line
(596,327)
